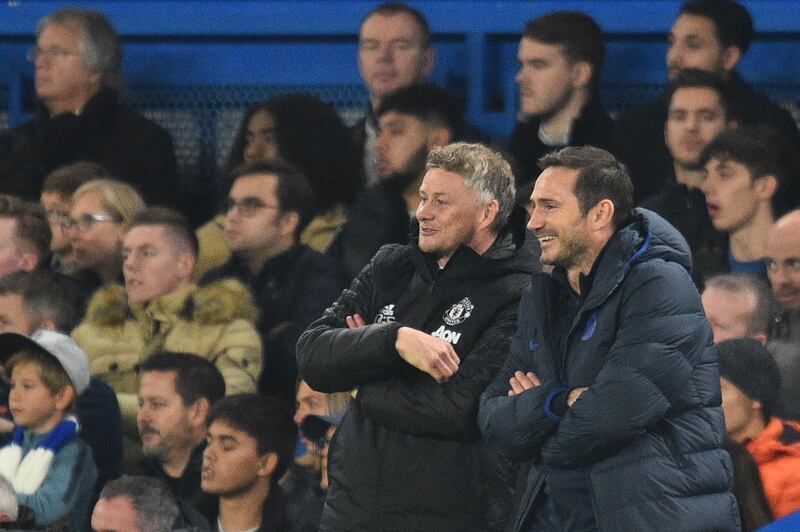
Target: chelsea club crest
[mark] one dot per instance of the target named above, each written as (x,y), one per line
(458,312)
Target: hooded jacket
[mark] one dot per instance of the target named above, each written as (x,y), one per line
(776,450)
(407,455)
(646,437)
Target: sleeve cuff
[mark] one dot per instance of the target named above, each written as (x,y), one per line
(555,405)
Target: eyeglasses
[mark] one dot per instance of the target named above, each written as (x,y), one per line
(56,215)
(54,52)
(86,222)
(247,207)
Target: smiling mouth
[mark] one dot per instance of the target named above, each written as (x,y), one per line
(546,238)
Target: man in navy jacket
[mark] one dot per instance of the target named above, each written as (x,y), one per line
(611,385)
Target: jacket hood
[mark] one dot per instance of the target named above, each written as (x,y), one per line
(511,252)
(779,438)
(647,236)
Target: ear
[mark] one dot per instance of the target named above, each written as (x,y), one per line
(289,221)
(489,214)
(267,465)
(198,411)
(29,261)
(765,186)
(428,60)
(757,405)
(602,214)
(48,325)
(761,337)
(730,58)
(64,397)
(581,74)
(185,265)
(438,136)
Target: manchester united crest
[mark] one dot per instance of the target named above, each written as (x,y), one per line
(458,312)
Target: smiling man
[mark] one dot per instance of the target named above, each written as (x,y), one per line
(159,308)
(595,389)
(420,332)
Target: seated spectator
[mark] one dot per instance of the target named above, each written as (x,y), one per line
(749,183)
(176,392)
(24,236)
(710,35)
(783,270)
(268,206)
(56,199)
(250,442)
(561,58)
(750,383)
(142,504)
(738,306)
(699,110)
(308,134)
(411,122)
(30,301)
(78,81)
(50,467)
(101,213)
(160,309)
(320,430)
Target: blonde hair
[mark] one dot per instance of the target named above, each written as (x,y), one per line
(120,199)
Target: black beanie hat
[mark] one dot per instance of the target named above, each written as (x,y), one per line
(748,365)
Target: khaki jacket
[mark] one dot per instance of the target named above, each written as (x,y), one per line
(215,322)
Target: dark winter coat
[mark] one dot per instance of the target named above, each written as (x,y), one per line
(407,455)
(647,434)
(131,147)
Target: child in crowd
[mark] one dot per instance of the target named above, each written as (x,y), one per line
(50,468)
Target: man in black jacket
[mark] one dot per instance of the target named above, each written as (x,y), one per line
(420,333)
(78,81)
(710,35)
(561,58)
(611,387)
(268,206)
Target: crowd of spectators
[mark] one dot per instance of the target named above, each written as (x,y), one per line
(159,376)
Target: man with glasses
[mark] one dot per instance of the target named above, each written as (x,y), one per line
(266,210)
(78,81)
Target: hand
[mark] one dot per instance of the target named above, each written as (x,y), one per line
(434,356)
(574,394)
(521,382)
(355,321)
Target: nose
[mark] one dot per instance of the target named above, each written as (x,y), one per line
(424,212)
(254,151)
(674,56)
(208,454)
(385,52)
(537,220)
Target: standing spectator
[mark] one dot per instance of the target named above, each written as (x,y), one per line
(250,442)
(751,382)
(711,35)
(394,52)
(56,200)
(440,311)
(611,386)
(50,467)
(78,82)
(561,58)
(268,205)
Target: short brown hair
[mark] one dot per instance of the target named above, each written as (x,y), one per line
(50,371)
(65,180)
(32,226)
(174,224)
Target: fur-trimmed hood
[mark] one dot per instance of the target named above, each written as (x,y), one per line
(216,303)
